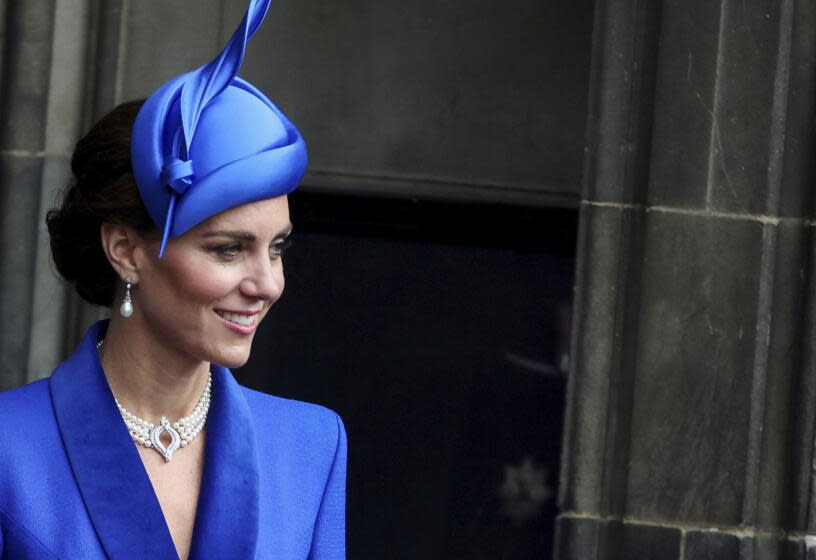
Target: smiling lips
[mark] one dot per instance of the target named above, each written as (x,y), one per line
(242,323)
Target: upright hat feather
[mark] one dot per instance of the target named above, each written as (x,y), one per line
(207,141)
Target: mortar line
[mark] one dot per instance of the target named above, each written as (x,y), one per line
(733,530)
(32,154)
(702,213)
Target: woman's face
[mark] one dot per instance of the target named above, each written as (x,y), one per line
(216,282)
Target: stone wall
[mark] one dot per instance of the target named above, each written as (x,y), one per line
(690,424)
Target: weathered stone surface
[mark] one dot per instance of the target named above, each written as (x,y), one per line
(691,401)
(67,82)
(752,42)
(798,166)
(768,547)
(49,294)
(165,39)
(711,545)
(684,100)
(443,92)
(587,538)
(621,98)
(722,139)
(692,396)
(24,84)
(19,201)
(601,377)
(639,542)
(780,427)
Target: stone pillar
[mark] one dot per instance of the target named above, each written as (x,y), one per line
(58,72)
(689,432)
(27,29)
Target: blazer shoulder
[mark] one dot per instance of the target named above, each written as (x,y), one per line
(27,415)
(25,402)
(295,417)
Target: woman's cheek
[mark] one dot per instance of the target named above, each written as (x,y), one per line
(208,283)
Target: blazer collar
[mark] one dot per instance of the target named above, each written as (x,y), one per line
(226,524)
(114,484)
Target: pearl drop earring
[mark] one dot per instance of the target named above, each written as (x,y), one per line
(126,309)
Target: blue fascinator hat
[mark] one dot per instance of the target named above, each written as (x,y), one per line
(207,141)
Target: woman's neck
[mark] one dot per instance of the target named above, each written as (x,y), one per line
(149,376)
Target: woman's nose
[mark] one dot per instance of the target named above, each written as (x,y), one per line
(264,281)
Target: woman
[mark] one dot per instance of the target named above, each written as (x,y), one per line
(141,444)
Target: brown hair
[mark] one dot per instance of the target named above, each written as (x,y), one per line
(102,190)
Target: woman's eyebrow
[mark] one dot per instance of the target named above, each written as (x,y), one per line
(244,235)
(235,234)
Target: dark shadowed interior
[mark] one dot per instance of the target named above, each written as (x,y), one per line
(439,332)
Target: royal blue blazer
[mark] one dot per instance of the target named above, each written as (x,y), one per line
(72,484)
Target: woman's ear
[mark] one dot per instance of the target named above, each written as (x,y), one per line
(121,245)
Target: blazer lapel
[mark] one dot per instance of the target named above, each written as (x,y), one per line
(112,480)
(226,524)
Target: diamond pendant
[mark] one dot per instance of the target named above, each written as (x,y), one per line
(156,442)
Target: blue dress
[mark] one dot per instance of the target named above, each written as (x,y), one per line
(72,484)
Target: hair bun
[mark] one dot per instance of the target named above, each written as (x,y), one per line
(103,190)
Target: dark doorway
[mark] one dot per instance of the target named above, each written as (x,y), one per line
(439,333)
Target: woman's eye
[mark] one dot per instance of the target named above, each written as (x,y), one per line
(280,246)
(230,250)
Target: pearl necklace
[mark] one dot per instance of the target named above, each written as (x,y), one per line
(182,432)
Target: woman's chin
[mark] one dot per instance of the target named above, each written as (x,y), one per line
(235,363)
(232,357)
